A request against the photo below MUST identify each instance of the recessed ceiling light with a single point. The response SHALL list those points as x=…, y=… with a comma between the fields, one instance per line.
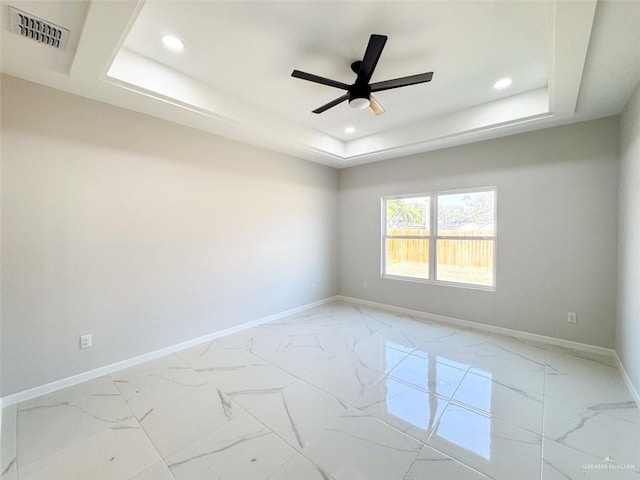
x=349, y=129
x=173, y=43
x=502, y=84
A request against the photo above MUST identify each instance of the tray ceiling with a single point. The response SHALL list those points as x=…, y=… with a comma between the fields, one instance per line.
x=233, y=77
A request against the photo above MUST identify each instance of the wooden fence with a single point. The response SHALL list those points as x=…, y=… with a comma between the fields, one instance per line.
x=464, y=253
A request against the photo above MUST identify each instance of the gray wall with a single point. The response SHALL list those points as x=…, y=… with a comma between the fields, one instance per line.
x=144, y=233
x=556, y=238
x=1, y=80
x=628, y=325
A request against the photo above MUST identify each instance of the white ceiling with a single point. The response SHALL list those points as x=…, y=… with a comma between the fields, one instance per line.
x=569, y=61
x=248, y=50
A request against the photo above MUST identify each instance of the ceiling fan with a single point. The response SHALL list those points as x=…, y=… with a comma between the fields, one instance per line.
x=359, y=93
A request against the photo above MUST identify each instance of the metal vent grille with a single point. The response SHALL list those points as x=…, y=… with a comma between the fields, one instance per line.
x=37, y=29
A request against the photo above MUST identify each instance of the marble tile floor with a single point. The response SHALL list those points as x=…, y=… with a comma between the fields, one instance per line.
x=341, y=392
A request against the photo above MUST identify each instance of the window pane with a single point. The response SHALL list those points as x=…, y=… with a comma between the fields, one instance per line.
x=465, y=261
x=408, y=216
x=466, y=214
x=407, y=257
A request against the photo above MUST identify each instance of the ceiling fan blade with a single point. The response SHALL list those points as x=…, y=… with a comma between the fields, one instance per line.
x=371, y=57
x=316, y=79
x=332, y=103
x=375, y=107
x=401, y=82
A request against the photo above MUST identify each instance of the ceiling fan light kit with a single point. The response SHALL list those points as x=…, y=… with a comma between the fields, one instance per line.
x=359, y=103
x=359, y=93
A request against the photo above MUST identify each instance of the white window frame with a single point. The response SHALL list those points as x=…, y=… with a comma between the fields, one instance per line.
x=433, y=238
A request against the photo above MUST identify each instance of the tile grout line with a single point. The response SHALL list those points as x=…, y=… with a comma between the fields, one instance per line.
x=141, y=428
x=245, y=410
x=17, y=444
x=544, y=407
x=306, y=382
x=424, y=443
x=66, y=447
x=248, y=412
x=460, y=462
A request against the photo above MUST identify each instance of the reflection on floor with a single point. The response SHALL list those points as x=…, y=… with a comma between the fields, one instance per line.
x=339, y=392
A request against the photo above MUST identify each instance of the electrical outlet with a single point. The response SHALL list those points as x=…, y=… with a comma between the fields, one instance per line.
x=85, y=341
x=313, y=286
x=364, y=284
x=572, y=317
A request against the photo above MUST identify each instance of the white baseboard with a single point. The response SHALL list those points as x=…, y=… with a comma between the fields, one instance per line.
x=627, y=380
x=114, y=367
x=583, y=347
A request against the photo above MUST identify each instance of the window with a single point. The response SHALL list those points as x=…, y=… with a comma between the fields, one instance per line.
x=408, y=236
x=446, y=237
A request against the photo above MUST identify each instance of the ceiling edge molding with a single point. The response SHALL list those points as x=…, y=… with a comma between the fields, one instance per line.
x=100, y=58
x=500, y=113
x=570, y=26
x=174, y=89
x=100, y=40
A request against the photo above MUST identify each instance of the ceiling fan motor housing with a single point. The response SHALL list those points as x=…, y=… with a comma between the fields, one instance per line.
x=359, y=95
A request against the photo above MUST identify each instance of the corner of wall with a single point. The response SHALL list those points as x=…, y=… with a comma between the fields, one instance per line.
x=628, y=301
x=1, y=97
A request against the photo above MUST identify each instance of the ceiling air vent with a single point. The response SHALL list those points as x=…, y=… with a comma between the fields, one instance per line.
x=35, y=28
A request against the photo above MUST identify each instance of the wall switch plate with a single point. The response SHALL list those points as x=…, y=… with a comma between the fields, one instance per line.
x=572, y=317
x=85, y=341
x=364, y=284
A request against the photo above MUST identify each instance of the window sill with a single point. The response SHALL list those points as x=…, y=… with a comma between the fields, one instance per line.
x=468, y=286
